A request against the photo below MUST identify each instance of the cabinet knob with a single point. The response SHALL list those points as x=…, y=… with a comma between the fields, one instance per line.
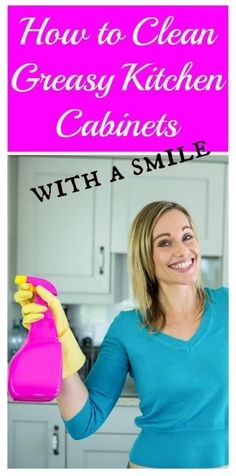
x=55, y=440
x=101, y=259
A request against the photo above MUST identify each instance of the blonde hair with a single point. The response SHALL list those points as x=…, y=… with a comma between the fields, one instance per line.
x=141, y=266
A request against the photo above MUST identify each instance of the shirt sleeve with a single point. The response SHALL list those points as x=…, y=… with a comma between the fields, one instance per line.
x=104, y=383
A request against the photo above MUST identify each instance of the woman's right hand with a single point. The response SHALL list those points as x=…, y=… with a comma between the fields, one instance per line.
x=73, y=357
x=32, y=312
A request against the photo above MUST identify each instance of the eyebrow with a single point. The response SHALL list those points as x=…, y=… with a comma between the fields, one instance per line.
x=168, y=234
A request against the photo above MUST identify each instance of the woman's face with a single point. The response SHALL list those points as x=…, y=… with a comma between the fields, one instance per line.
x=176, y=251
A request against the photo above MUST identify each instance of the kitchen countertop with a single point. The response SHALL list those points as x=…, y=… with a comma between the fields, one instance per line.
x=121, y=402
x=128, y=402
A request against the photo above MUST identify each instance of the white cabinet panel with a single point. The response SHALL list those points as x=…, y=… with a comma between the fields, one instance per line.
x=110, y=446
x=197, y=186
x=100, y=451
x=36, y=436
x=66, y=238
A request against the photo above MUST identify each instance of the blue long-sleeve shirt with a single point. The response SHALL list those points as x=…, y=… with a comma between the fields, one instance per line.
x=182, y=386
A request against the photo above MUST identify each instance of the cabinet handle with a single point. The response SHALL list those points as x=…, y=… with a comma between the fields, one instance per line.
x=101, y=259
x=55, y=440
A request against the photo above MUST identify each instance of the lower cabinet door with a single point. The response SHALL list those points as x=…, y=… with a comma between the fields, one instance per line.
x=36, y=435
x=100, y=451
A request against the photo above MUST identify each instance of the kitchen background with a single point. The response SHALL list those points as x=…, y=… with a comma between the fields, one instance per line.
x=79, y=242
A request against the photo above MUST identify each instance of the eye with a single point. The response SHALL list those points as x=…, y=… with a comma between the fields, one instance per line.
x=187, y=237
x=164, y=243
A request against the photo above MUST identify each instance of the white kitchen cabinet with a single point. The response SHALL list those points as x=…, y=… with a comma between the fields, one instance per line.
x=66, y=238
x=109, y=447
x=200, y=187
x=100, y=451
x=36, y=436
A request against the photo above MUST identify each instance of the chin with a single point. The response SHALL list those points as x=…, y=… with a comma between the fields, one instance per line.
x=185, y=280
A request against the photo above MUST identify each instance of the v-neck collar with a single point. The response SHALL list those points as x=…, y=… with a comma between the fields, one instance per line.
x=196, y=337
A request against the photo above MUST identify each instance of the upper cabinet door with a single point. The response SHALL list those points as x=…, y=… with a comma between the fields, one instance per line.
x=197, y=186
x=65, y=238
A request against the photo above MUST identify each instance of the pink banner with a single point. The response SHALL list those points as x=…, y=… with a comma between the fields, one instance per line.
x=122, y=79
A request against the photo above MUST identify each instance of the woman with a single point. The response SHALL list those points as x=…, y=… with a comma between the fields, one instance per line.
x=174, y=345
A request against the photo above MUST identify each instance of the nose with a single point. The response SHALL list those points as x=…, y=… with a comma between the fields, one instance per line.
x=180, y=248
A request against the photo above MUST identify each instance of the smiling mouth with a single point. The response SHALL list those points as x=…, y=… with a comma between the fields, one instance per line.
x=183, y=265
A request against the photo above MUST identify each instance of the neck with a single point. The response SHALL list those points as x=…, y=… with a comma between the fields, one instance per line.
x=179, y=302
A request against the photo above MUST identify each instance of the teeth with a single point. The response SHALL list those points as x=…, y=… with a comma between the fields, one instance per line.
x=184, y=265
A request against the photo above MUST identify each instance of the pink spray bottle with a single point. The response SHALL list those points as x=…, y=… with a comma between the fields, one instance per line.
x=35, y=371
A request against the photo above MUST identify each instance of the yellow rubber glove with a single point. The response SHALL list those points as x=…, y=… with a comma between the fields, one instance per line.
x=73, y=357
